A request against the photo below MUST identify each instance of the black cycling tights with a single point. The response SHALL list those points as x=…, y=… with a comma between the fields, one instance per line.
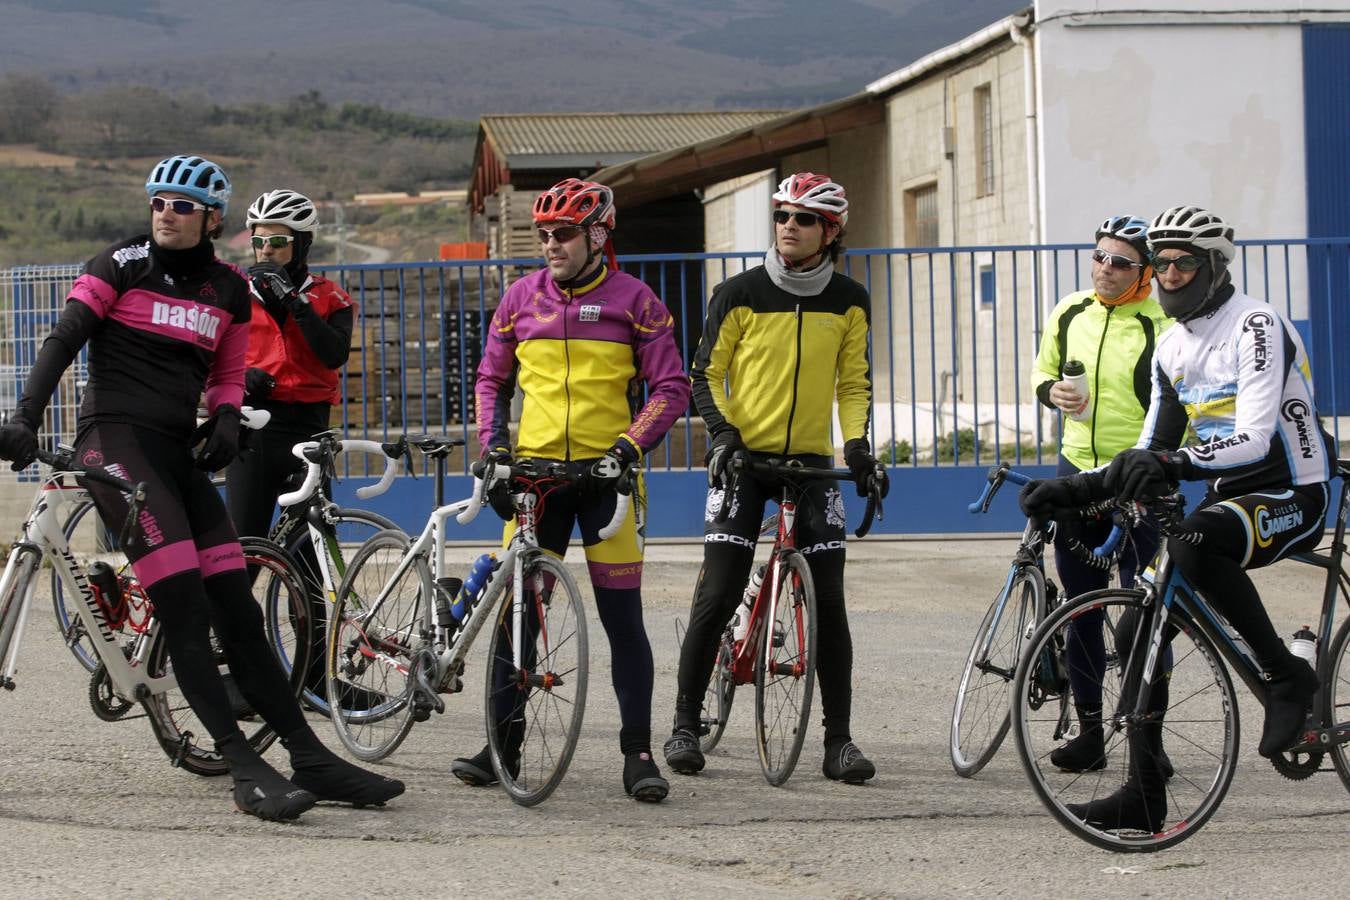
x=185, y=606
x=1249, y=532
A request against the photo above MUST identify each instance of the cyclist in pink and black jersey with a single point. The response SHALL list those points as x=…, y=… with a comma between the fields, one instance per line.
x=166, y=320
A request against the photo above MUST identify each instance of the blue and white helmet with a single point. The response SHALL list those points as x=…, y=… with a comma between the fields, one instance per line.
x=195, y=176
x=1133, y=230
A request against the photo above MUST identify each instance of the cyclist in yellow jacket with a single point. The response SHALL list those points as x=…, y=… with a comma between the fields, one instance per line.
x=1112, y=330
x=782, y=343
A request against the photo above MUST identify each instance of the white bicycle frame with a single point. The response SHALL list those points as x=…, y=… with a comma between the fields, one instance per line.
x=44, y=537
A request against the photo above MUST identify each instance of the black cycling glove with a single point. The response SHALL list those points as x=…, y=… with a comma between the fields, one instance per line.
x=1146, y=475
x=273, y=283
x=18, y=443
x=258, y=385
x=220, y=439
x=864, y=466
x=606, y=472
x=726, y=443
x=1057, y=497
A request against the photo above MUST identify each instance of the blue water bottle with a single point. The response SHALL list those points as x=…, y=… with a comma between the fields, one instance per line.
x=474, y=585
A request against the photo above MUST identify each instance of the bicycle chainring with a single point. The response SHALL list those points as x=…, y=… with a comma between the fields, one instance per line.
x=107, y=705
x=1298, y=766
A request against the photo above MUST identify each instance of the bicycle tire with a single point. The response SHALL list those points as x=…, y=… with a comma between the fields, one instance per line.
x=784, y=682
x=980, y=714
x=721, y=690
x=534, y=712
x=349, y=526
x=1336, y=697
x=373, y=645
x=180, y=734
x=1199, y=729
x=85, y=537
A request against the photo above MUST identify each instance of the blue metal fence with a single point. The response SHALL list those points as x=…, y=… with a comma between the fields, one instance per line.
x=955, y=332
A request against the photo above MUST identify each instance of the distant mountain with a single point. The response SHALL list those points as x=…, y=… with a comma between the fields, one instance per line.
x=469, y=57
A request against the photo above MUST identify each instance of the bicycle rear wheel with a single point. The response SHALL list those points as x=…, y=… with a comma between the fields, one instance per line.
x=89, y=540
x=535, y=706
x=980, y=715
x=380, y=625
x=1336, y=703
x=180, y=733
x=343, y=528
x=1198, y=731
x=785, y=669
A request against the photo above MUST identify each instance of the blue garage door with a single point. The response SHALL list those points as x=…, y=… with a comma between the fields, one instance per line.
x=1326, y=92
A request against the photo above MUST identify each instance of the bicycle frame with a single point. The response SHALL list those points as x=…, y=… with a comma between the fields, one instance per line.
x=43, y=537
x=763, y=610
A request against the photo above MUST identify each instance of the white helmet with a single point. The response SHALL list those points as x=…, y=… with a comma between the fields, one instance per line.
x=283, y=207
x=1194, y=226
x=816, y=193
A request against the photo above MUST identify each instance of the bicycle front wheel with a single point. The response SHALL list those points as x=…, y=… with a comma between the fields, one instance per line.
x=1195, y=741
x=377, y=633
x=785, y=669
x=980, y=715
x=344, y=530
x=89, y=540
x=179, y=731
x=536, y=680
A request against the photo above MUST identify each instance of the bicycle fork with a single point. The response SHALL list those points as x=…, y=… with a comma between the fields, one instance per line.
x=18, y=576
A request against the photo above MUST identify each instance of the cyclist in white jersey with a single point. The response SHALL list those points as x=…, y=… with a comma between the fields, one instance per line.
x=1231, y=379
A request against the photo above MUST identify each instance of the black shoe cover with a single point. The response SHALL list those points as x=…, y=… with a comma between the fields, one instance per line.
x=330, y=777
x=642, y=779
x=259, y=789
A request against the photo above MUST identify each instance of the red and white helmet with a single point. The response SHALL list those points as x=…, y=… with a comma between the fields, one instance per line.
x=816, y=193
x=575, y=202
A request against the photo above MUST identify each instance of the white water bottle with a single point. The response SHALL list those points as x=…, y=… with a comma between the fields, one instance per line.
x=742, y=626
x=1075, y=373
x=1304, y=646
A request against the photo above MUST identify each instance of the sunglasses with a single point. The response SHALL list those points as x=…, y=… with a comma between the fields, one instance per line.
x=275, y=241
x=562, y=234
x=180, y=207
x=1114, y=260
x=1183, y=263
x=804, y=219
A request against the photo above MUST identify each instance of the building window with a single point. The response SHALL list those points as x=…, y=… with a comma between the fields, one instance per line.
x=986, y=285
x=921, y=216
x=984, y=141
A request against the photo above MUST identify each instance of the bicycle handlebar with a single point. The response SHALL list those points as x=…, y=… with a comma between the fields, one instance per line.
x=791, y=471
x=485, y=474
x=305, y=450
x=994, y=480
x=255, y=419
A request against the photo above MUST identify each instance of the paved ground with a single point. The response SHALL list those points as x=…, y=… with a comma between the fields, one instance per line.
x=91, y=809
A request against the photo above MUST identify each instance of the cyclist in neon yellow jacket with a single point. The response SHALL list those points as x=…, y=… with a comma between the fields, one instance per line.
x=1111, y=329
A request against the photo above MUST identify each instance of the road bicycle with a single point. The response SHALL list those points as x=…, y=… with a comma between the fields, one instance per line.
x=402, y=629
x=1198, y=726
x=117, y=620
x=314, y=530
x=771, y=639
x=981, y=713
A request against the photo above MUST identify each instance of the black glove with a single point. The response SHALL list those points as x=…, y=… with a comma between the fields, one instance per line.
x=1146, y=475
x=1056, y=497
x=18, y=443
x=725, y=444
x=499, y=492
x=274, y=283
x=220, y=439
x=864, y=466
x=258, y=385
x=606, y=472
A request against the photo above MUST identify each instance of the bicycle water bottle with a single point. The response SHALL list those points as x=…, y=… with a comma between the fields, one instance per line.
x=447, y=589
x=1304, y=646
x=474, y=586
x=109, y=593
x=742, y=626
x=1075, y=373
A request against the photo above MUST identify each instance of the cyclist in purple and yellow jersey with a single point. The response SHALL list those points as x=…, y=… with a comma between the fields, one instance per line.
x=783, y=342
x=580, y=338
x=166, y=320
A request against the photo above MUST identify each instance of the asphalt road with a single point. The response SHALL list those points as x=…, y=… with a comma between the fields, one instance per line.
x=89, y=808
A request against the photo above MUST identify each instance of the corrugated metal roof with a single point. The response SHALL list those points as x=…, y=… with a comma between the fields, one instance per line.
x=607, y=134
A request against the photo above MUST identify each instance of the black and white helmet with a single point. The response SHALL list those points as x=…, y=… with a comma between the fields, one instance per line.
x=1193, y=226
x=283, y=207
